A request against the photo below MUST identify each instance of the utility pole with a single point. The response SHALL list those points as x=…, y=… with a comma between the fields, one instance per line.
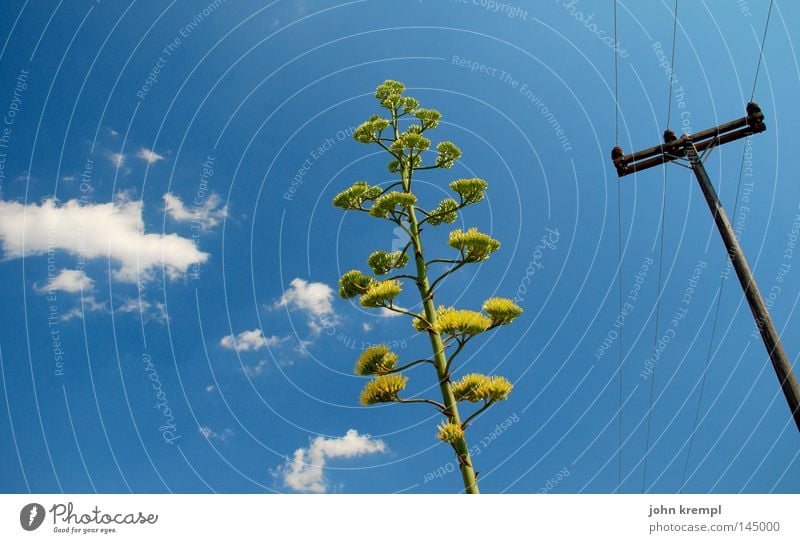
x=687, y=149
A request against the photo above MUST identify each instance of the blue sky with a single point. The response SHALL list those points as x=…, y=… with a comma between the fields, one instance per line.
x=170, y=253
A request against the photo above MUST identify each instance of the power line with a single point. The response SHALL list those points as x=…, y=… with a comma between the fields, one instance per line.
x=661, y=252
x=616, y=74
x=672, y=57
x=761, y=49
x=619, y=246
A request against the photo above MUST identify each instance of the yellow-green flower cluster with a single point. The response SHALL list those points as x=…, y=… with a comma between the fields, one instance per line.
x=429, y=117
x=382, y=262
x=384, y=388
x=411, y=141
x=475, y=245
x=369, y=131
x=501, y=310
x=390, y=201
x=476, y=387
x=376, y=360
x=450, y=432
x=389, y=94
x=387, y=88
x=459, y=322
x=447, y=154
x=381, y=294
x=444, y=212
x=354, y=283
x=470, y=190
x=354, y=196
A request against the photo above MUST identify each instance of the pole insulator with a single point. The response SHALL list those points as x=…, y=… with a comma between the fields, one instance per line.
x=616, y=157
x=755, y=118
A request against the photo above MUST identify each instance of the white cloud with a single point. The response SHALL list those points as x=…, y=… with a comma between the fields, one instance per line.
x=88, y=304
x=68, y=178
x=249, y=340
x=112, y=230
x=147, y=311
x=71, y=281
x=117, y=158
x=210, y=388
x=366, y=326
x=315, y=299
x=256, y=369
x=208, y=433
x=149, y=155
x=207, y=215
x=303, y=472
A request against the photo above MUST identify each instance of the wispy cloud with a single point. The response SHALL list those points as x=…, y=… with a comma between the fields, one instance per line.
x=70, y=281
x=207, y=214
x=254, y=370
x=112, y=230
x=303, y=472
x=208, y=433
x=250, y=340
x=147, y=311
x=88, y=305
x=117, y=158
x=149, y=155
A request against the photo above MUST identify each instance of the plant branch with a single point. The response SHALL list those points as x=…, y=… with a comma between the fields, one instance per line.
x=445, y=274
x=410, y=365
x=442, y=261
x=401, y=276
x=476, y=413
x=398, y=310
x=455, y=353
x=442, y=213
x=440, y=406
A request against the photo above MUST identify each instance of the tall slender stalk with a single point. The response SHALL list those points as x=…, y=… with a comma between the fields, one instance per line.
x=440, y=360
x=446, y=326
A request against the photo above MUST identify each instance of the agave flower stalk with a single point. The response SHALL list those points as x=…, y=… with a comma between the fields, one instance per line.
x=448, y=329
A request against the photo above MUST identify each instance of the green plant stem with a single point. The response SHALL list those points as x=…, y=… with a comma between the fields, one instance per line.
x=439, y=360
